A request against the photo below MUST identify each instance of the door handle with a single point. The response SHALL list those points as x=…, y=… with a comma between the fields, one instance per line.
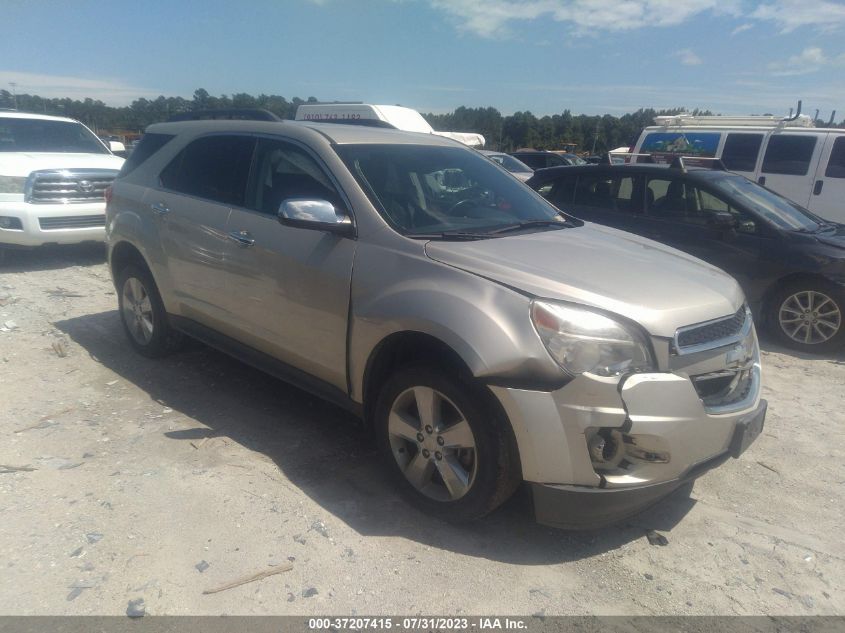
x=159, y=208
x=817, y=189
x=243, y=238
x=761, y=180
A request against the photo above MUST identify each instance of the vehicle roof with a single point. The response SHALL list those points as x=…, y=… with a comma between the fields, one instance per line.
x=689, y=171
x=31, y=115
x=335, y=133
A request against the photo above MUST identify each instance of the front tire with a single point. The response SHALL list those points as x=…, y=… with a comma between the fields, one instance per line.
x=142, y=313
x=808, y=316
x=449, y=452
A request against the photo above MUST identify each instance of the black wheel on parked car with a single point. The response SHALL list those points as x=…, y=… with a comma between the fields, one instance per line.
x=142, y=313
x=808, y=316
x=450, y=453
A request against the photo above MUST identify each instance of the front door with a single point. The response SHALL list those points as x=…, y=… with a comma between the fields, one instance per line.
x=290, y=286
x=682, y=215
x=828, y=199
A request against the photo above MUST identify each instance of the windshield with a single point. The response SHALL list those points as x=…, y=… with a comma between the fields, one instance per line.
x=425, y=190
x=42, y=135
x=510, y=163
x=574, y=159
x=769, y=205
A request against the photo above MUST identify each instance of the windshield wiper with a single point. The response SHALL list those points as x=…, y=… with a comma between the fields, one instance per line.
x=449, y=236
x=527, y=224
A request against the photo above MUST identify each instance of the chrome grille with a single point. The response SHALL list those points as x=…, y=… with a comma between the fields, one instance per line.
x=67, y=186
x=72, y=222
x=712, y=333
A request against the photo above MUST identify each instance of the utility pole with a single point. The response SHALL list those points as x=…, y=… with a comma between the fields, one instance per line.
x=595, y=138
x=14, y=93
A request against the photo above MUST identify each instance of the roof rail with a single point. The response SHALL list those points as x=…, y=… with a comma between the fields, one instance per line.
x=244, y=114
x=689, y=120
x=715, y=163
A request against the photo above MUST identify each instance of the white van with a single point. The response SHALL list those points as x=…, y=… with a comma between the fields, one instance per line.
x=397, y=117
x=801, y=162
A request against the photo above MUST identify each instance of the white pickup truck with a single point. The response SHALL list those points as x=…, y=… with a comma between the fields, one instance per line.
x=397, y=117
x=53, y=175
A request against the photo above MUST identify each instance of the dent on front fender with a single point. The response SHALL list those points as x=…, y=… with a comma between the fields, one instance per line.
x=485, y=323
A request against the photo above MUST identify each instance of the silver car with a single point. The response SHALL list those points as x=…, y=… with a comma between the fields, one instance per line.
x=487, y=338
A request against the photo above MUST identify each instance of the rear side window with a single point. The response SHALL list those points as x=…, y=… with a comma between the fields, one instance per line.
x=213, y=167
x=836, y=164
x=534, y=161
x=614, y=193
x=149, y=145
x=740, y=152
x=789, y=154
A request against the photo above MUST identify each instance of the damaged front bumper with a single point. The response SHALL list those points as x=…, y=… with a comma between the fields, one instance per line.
x=602, y=449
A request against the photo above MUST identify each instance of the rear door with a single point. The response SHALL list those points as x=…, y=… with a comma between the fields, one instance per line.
x=790, y=161
x=198, y=188
x=289, y=287
x=828, y=197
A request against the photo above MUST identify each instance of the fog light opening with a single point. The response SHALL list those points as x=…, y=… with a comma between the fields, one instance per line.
x=10, y=224
x=606, y=449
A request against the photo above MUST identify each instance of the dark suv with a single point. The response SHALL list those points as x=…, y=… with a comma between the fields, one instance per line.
x=790, y=263
x=539, y=159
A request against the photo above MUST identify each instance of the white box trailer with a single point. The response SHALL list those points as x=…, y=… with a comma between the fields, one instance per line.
x=397, y=117
x=788, y=155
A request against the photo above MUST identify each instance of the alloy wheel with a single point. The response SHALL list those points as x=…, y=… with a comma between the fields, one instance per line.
x=432, y=443
x=810, y=317
x=137, y=311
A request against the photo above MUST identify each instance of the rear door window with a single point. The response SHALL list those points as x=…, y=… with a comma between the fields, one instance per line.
x=789, y=154
x=213, y=167
x=836, y=163
x=741, y=150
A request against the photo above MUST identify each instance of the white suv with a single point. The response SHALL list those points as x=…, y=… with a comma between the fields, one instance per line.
x=53, y=175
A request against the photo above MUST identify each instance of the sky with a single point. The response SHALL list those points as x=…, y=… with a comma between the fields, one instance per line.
x=588, y=56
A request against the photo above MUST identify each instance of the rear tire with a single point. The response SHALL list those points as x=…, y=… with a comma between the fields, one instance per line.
x=447, y=449
x=142, y=313
x=808, y=316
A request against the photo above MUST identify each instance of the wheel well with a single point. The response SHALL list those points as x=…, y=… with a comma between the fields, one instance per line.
x=124, y=254
x=406, y=348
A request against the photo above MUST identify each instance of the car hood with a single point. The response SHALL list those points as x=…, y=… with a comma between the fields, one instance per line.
x=22, y=163
x=659, y=287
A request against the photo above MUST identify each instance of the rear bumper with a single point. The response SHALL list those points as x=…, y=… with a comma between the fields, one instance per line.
x=62, y=217
x=583, y=507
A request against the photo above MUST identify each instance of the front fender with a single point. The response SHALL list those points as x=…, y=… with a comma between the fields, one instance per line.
x=488, y=325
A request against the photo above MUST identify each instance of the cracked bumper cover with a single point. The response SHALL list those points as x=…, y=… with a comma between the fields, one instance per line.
x=552, y=430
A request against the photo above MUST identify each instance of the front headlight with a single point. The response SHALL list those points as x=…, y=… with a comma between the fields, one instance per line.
x=12, y=184
x=581, y=340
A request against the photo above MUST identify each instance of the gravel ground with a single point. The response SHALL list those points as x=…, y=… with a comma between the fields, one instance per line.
x=123, y=478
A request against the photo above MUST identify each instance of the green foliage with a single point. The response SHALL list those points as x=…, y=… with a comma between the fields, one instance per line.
x=594, y=134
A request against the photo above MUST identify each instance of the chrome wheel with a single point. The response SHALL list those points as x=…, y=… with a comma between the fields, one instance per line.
x=137, y=311
x=432, y=443
x=810, y=317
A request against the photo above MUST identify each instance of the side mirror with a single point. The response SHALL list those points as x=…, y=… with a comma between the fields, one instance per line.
x=723, y=220
x=117, y=146
x=315, y=214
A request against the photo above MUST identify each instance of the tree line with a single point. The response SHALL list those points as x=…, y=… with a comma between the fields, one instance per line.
x=590, y=134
